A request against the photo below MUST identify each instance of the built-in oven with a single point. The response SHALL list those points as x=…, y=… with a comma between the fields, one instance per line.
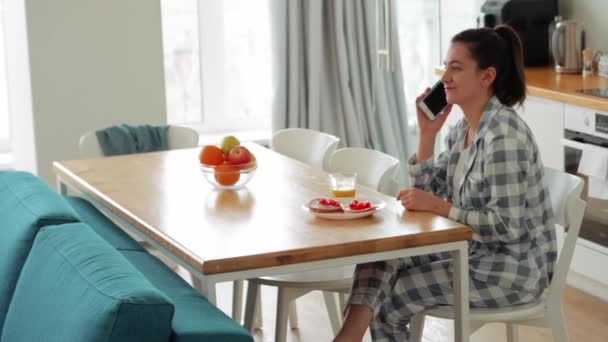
x=586, y=155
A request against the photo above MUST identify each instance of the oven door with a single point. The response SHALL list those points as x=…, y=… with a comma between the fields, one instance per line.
x=594, y=229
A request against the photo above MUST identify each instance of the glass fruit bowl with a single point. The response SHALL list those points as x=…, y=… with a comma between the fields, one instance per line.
x=227, y=176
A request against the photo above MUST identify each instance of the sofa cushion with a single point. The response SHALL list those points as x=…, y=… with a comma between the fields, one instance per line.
x=76, y=287
x=26, y=205
x=102, y=225
x=195, y=318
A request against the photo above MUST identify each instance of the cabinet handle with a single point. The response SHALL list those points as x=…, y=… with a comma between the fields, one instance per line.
x=574, y=144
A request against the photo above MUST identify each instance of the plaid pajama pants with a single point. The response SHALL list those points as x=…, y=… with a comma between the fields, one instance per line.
x=398, y=289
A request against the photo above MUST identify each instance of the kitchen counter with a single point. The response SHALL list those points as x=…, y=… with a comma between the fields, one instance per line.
x=544, y=82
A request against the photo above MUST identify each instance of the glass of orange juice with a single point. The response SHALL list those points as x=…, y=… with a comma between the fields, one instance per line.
x=342, y=184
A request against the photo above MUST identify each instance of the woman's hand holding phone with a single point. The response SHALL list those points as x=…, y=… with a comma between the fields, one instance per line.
x=427, y=126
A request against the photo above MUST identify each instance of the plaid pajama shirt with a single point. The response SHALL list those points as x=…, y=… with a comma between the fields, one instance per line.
x=503, y=199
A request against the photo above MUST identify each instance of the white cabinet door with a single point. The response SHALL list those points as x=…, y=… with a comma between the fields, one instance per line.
x=546, y=120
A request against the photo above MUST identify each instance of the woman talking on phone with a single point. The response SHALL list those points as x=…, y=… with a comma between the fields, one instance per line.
x=490, y=177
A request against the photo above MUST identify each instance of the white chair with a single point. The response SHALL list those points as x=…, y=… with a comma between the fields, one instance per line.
x=306, y=145
x=178, y=137
x=373, y=169
x=565, y=191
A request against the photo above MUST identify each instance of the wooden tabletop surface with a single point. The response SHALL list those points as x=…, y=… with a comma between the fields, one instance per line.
x=545, y=82
x=165, y=196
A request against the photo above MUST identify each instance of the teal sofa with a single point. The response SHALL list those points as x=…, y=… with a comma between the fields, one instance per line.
x=67, y=273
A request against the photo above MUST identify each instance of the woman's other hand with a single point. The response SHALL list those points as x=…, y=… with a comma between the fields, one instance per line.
x=419, y=200
x=427, y=126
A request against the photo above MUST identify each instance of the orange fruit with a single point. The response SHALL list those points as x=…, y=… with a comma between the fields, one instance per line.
x=211, y=155
x=225, y=174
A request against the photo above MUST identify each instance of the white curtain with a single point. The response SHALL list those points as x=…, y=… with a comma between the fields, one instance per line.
x=328, y=78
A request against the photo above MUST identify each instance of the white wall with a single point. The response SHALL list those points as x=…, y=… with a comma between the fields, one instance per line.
x=93, y=64
x=593, y=14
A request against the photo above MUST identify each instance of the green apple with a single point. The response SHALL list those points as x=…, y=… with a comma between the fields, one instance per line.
x=228, y=143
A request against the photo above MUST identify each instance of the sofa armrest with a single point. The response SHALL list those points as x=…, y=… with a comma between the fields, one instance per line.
x=74, y=286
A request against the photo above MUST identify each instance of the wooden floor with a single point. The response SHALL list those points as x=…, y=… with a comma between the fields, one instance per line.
x=586, y=316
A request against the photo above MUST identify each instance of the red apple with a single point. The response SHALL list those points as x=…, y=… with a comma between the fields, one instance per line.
x=239, y=155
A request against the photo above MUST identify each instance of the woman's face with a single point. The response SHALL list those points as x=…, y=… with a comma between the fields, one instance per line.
x=463, y=80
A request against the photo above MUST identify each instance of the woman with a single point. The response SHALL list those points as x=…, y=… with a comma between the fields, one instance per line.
x=489, y=177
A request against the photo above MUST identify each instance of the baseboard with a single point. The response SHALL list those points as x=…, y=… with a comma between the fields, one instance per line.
x=588, y=285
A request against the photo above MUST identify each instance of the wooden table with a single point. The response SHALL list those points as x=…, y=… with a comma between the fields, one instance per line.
x=260, y=230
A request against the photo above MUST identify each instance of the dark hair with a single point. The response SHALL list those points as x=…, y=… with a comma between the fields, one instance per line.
x=499, y=48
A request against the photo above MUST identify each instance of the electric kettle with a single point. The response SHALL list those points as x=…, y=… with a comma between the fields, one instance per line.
x=567, y=44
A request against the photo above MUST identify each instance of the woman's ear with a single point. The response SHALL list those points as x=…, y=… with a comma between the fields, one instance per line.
x=489, y=76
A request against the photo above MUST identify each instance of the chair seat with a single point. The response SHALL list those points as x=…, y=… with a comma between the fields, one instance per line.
x=516, y=312
x=327, y=279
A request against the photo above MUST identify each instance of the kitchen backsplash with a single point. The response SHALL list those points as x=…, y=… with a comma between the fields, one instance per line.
x=593, y=14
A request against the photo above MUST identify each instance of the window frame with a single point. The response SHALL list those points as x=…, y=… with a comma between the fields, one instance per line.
x=5, y=144
x=213, y=115
x=22, y=147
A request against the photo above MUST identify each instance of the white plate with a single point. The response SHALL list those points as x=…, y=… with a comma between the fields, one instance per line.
x=349, y=214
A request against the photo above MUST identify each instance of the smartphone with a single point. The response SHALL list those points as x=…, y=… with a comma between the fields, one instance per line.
x=434, y=102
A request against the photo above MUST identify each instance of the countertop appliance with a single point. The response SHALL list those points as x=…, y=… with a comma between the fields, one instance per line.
x=567, y=45
x=586, y=131
x=531, y=20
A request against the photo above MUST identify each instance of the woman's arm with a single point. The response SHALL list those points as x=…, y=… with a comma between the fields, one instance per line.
x=506, y=168
x=426, y=146
x=426, y=173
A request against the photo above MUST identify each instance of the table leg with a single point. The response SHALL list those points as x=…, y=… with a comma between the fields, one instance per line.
x=206, y=288
x=461, y=293
x=250, y=306
x=61, y=187
x=237, y=300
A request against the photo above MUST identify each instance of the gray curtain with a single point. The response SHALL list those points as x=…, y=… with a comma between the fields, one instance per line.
x=328, y=78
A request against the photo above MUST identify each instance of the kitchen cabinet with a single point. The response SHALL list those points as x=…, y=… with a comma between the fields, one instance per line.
x=546, y=121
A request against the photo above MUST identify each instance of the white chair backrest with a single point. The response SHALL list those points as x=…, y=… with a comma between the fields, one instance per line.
x=178, y=137
x=308, y=146
x=565, y=192
x=89, y=146
x=182, y=137
x=374, y=169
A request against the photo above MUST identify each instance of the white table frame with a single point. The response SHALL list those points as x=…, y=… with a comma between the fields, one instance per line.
x=206, y=282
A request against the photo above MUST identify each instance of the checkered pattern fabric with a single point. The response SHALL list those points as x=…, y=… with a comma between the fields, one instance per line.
x=398, y=289
x=502, y=198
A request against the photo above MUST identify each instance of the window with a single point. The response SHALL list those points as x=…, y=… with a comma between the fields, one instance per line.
x=4, y=107
x=424, y=30
x=419, y=36
x=181, y=56
x=457, y=16
x=218, y=71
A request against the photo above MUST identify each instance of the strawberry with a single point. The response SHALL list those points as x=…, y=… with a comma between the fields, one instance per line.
x=356, y=205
